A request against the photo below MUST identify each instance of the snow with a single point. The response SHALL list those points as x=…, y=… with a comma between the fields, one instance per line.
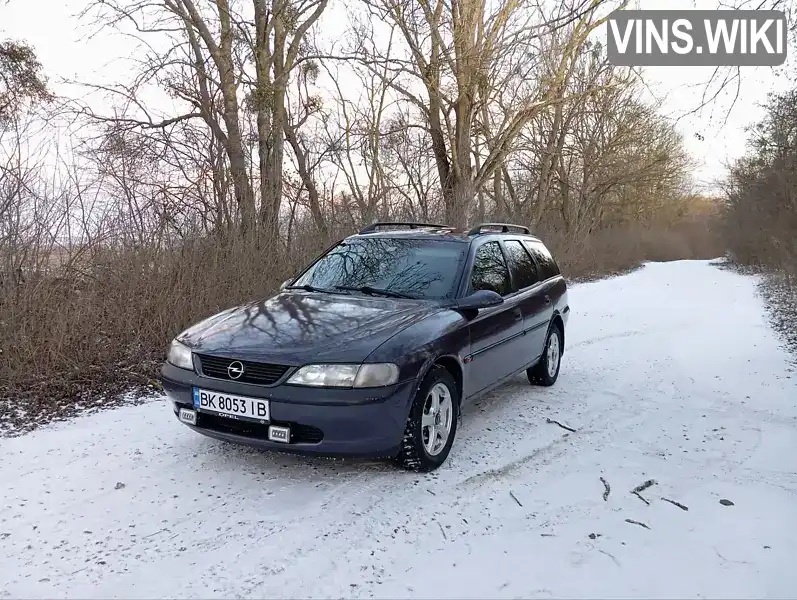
x=670, y=373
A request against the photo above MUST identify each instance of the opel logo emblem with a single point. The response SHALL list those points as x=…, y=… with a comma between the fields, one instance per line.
x=235, y=369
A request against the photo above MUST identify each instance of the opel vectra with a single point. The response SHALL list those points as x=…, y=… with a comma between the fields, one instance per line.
x=373, y=349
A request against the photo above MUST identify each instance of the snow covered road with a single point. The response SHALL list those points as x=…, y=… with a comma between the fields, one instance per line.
x=670, y=373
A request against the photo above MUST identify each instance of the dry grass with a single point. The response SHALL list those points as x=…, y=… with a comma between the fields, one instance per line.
x=82, y=339
x=91, y=333
x=619, y=249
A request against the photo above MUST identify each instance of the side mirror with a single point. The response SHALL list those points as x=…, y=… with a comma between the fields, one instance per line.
x=285, y=284
x=480, y=299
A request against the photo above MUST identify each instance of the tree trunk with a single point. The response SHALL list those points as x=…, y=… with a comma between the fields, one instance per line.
x=461, y=197
x=271, y=147
x=234, y=142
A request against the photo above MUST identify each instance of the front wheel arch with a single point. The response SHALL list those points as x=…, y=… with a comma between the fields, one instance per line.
x=451, y=364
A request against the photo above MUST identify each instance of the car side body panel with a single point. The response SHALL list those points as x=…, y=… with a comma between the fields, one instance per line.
x=493, y=333
x=414, y=349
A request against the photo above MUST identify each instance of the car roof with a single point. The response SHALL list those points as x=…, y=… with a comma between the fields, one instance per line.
x=443, y=234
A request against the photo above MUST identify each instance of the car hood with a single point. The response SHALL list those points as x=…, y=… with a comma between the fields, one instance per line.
x=295, y=328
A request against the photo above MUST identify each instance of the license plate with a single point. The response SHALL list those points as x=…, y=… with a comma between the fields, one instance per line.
x=188, y=416
x=234, y=407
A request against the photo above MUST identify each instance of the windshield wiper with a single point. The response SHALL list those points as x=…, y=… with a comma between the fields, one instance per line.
x=309, y=288
x=372, y=291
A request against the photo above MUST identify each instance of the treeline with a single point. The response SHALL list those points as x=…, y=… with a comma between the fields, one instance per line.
x=760, y=211
x=761, y=191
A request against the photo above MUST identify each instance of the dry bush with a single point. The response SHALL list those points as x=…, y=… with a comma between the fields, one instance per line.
x=90, y=332
x=760, y=213
x=620, y=248
x=99, y=326
x=760, y=216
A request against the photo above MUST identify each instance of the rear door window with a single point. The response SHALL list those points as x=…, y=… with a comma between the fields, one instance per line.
x=548, y=266
x=489, y=270
x=521, y=265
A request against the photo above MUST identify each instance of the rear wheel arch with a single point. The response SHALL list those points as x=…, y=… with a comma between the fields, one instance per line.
x=557, y=321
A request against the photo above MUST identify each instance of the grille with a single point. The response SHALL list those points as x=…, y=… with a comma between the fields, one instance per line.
x=300, y=434
x=258, y=373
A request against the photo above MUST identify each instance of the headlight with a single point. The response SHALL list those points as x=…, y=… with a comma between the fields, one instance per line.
x=376, y=375
x=180, y=355
x=358, y=376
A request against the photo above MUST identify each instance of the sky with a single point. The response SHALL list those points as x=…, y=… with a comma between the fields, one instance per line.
x=73, y=48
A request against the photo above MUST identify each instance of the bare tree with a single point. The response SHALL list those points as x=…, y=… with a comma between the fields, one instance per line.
x=215, y=47
x=459, y=55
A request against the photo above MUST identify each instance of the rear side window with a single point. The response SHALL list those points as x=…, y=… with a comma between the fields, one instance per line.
x=521, y=265
x=548, y=266
x=489, y=270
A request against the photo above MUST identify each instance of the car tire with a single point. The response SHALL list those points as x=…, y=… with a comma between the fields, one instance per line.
x=417, y=452
x=546, y=371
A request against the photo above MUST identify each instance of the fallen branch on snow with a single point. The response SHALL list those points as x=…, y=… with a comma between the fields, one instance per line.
x=549, y=421
x=607, y=488
x=642, y=487
x=678, y=504
x=637, y=523
x=515, y=498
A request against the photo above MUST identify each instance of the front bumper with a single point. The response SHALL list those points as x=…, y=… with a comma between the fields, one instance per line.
x=329, y=422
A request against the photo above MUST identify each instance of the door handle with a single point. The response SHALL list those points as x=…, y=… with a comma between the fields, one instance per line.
x=547, y=299
x=518, y=315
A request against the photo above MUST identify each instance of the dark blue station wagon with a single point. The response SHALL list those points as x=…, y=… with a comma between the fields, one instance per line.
x=372, y=350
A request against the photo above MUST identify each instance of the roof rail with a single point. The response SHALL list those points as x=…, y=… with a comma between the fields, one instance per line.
x=409, y=225
x=503, y=227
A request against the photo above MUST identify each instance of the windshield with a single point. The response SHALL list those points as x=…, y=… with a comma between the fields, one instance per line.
x=417, y=268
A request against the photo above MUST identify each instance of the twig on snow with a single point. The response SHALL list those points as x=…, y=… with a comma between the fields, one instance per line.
x=608, y=489
x=678, y=504
x=637, y=523
x=443, y=531
x=610, y=556
x=549, y=421
x=155, y=533
x=737, y=562
x=515, y=499
x=642, y=487
x=638, y=495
